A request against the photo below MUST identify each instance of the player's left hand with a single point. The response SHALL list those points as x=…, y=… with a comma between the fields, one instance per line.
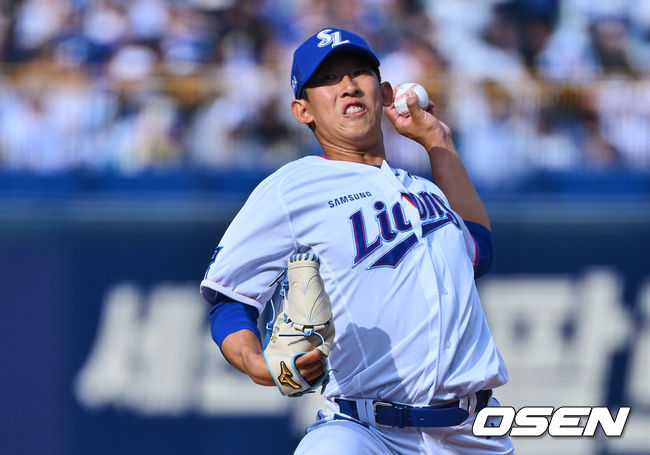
x=310, y=365
x=303, y=331
x=422, y=125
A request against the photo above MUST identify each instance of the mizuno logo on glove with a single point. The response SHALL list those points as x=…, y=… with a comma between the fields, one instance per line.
x=286, y=376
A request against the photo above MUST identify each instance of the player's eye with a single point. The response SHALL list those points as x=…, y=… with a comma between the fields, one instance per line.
x=361, y=71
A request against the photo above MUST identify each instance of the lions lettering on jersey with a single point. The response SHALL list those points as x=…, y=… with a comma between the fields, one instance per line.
x=430, y=208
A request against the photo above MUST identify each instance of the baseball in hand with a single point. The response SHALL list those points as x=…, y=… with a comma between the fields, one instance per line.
x=400, y=98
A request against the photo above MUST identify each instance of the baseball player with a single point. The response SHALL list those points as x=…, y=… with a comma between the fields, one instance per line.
x=412, y=359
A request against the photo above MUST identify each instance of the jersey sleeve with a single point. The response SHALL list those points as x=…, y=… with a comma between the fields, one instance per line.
x=253, y=250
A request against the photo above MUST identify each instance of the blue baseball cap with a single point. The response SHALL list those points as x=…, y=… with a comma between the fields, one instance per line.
x=310, y=54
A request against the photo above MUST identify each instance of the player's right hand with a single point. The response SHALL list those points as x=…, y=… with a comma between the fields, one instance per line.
x=422, y=125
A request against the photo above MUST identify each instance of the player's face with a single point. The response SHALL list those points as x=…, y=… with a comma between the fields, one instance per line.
x=345, y=102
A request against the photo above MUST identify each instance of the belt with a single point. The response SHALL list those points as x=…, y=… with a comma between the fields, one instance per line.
x=445, y=414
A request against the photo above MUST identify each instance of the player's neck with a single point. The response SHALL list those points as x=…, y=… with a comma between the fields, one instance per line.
x=372, y=155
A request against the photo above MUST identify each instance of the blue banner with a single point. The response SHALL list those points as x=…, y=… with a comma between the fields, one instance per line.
x=106, y=345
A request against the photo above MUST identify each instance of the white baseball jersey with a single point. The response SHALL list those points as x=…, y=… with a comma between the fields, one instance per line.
x=397, y=264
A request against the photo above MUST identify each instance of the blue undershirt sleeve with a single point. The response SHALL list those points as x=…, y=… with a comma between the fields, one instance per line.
x=484, y=251
x=228, y=316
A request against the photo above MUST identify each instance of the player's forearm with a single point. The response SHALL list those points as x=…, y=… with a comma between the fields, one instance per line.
x=244, y=351
x=450, y=175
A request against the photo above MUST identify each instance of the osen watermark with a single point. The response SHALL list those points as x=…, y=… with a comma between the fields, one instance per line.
x=564, y=421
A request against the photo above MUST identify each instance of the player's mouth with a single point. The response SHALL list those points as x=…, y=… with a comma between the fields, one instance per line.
x=354, y=110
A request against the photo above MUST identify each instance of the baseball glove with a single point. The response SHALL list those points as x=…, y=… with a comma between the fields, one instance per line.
x=303, y=322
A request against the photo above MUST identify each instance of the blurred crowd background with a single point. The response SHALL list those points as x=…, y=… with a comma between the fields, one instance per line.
x=530, y=87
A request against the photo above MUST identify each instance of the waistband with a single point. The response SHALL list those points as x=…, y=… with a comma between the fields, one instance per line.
x=386, y=414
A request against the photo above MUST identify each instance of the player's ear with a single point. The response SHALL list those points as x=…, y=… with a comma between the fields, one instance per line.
x=386, y=94
x=301, y=111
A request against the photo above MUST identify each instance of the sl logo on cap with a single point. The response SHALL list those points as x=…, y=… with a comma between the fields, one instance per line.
x=326, y=38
